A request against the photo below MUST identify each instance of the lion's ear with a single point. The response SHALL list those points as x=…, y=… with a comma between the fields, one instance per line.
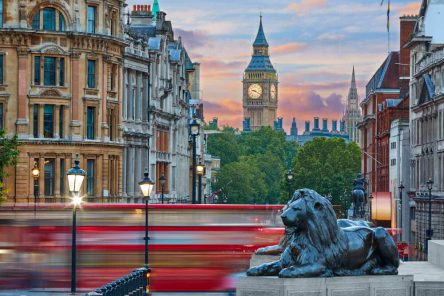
x=318, y=206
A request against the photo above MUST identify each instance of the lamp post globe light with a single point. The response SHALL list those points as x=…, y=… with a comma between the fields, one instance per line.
x=429, y=232
x=194, y=131
x=75, y=179
x=401, y=188
x=289, y=176
x=146, y=186
x=200, y=171
x=35, y=172
x=162, y=181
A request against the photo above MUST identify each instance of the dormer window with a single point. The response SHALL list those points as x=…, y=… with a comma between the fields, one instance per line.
x=48, y=19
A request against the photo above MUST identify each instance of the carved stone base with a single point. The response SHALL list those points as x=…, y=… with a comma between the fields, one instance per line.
x=390, y=285
x=257, y=260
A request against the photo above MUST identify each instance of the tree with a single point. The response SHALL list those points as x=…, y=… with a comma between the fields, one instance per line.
x=8, y=157
x=327, y=166
x=225, y=146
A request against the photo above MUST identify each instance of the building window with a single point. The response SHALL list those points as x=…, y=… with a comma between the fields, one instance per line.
x=48, y=121
x=1, y=116
x=112, y=121
x=91, y=74
x=90, y=177
x=49, y=71
x=37, y=70
x=62, y=176
x=61, y=133
x=162, y=170
x=393, y=162
x=1, y=13
x=393, y=145
x=35, y=121
x=1, y=68
x=61, y=71
x=49, y=177
x=91, y=19
x=52, y=20
x=90, y=122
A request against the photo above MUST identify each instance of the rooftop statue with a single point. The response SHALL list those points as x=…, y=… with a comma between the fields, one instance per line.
x=317, y=247
x=359, y=196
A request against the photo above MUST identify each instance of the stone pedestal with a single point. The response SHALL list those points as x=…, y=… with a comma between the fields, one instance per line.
x=390, y=285
x=257, y=260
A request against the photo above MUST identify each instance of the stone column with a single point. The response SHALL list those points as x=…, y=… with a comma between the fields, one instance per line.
x=124, y=171
x=137, y=170
x=105, y=174
x=40, y=121
x=42, y=178
x=119, y=91
x=22, y=118
x=31, y=178
x=57, y=178
x=105, y=127
x=56, y=121
x=75, y=103
x=130, y=173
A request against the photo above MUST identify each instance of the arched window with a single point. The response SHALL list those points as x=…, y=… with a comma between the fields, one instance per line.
x=48, y=19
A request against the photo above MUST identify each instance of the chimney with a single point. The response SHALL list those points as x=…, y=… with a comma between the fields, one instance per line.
x=307, y=126
x=334, y=124
x=316, y=124
x=324, y=125
x=141, y=15
x=342, y=122
x=407, y=25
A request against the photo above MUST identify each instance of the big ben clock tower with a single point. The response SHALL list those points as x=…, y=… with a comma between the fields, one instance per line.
x=260, y=85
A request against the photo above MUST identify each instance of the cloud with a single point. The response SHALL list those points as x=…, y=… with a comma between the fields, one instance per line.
x=232, y=112
x=190, y=38
x=288, y=48
x=331, y=36
x=302, y=7
x=410, y=8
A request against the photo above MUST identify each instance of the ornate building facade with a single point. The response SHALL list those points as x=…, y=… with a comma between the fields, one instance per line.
x=60, y=86
x=260, y=86
x=352, y=112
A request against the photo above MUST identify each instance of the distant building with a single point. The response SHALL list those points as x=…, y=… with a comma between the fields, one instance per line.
x=427, y=122
x=309, y=135
x=260, y=86
x=352, y=114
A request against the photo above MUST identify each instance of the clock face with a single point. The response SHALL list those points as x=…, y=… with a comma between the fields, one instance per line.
x=273, y=91
x=254, y=91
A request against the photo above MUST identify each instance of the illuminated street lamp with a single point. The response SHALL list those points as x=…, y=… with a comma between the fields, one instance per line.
x=200, y=171
x=75, y=180
x=429, y=232
x=35, y=172
x=289, y=176
x=162, y=181
x=194, y=131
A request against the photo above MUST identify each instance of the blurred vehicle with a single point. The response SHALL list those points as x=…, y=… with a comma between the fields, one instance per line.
x=192, y=248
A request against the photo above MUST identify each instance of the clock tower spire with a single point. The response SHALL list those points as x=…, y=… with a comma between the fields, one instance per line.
x=260, y=85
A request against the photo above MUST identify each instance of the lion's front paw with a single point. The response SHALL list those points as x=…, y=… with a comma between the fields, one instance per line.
x=254, y=271
x=286, y=273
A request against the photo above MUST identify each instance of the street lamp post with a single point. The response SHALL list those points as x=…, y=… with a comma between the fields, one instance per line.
x=200, y=170
x=401, y=187
x=146, y=186
x=75, y=180
x=289, y=176
x=162, y=181
x=429, y=232
x=36, y=174
x=194, y=131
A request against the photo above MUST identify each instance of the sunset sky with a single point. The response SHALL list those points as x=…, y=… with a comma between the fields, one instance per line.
x=313, y=45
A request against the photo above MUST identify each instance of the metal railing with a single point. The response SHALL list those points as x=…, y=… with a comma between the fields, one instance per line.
x=133, y=284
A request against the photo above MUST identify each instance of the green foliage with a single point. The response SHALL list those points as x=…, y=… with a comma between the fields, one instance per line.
x=8, y=157
x=327, y=166
x=253, y=164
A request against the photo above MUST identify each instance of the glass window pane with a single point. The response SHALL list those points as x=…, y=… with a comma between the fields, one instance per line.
x=49, y=69
x=1, y=116
x=91, y=19
x=90, y=177
x=91, y=73
x=36, y=21
x=1, y=13
x=62, y=177
x=48, y=121
x=61, y=135
x=61, y=22
x=49, y=177
x=62, y=72
x=90, y=114
x=35, y=121
x=36, y=70
x=49, y=19
x=1, y=67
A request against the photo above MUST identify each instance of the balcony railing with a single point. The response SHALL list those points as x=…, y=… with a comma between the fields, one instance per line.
x=430, y=60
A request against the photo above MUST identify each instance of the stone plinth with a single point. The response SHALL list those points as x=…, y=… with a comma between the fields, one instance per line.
x=390, y=285
x=257, y=260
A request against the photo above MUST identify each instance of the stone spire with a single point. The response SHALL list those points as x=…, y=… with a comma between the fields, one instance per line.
x=260, y=37
x=353, y=82
x=294, y=128
x=352, y=99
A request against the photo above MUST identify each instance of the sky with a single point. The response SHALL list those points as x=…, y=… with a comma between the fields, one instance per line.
x=314, y=45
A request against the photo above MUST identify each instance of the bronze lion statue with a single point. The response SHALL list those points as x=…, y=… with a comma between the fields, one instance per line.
x=319, y=247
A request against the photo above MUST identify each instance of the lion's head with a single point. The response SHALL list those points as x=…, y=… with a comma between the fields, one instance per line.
x=313, y=214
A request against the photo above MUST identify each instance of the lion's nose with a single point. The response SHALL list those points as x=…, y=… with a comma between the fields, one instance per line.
x=283, y=216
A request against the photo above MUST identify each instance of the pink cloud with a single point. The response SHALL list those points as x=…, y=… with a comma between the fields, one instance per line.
x=410, y=8
x=288, y=48
x=302, y=7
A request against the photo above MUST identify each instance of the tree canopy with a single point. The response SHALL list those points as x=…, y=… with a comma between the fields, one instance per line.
x=8, y=156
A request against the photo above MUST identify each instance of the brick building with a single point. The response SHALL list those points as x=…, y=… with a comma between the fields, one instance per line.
x=60, y=92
